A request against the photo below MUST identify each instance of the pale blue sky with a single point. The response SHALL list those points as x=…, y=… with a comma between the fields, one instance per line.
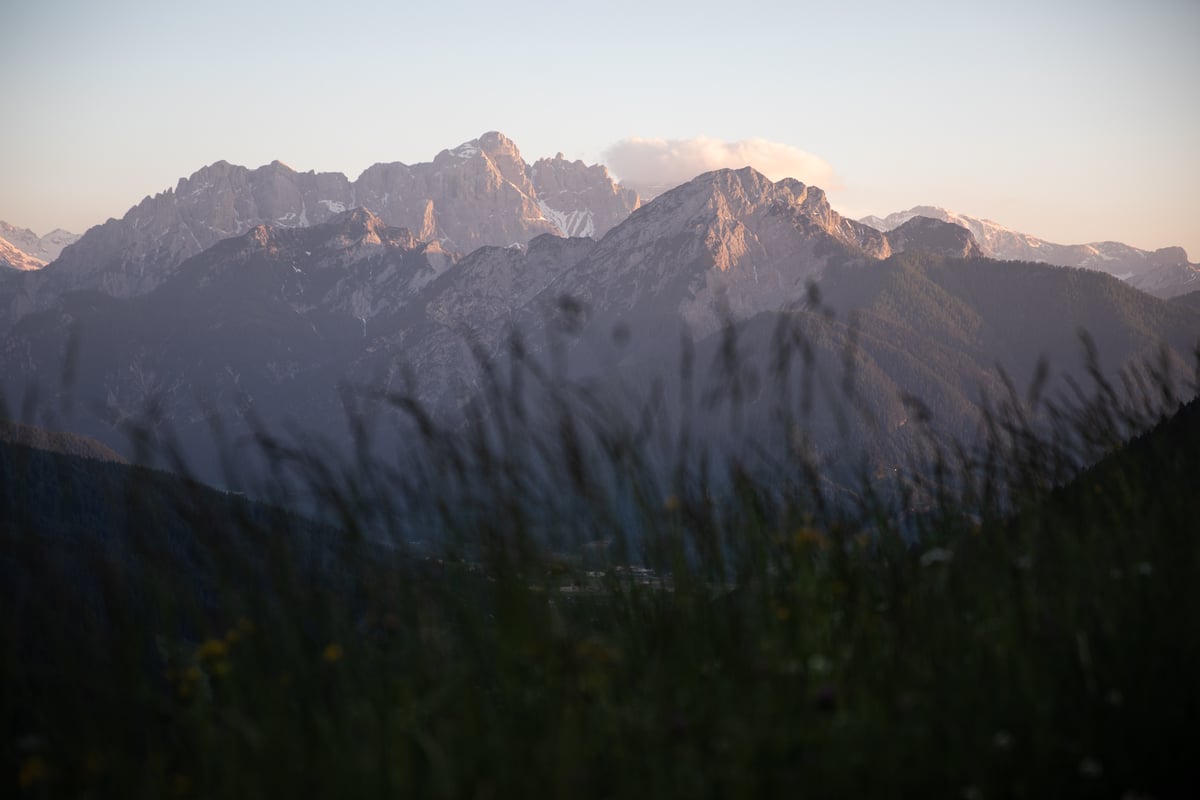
x=1074, y=121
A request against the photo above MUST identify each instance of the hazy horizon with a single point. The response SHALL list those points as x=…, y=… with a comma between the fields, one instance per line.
x=1069, y=123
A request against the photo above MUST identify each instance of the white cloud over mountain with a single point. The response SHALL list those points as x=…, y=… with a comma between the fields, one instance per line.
x=654, y=165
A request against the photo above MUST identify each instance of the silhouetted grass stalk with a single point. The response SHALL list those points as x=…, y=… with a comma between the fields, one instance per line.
x=565, y=593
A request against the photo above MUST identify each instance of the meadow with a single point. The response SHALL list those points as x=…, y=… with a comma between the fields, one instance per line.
x=536, y=607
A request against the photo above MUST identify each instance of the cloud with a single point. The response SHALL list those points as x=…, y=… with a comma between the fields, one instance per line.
x=659, y=164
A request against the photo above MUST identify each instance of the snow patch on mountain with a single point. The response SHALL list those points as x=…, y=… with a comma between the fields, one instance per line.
x=581, y=222
x=1164, y=272
x=43, y=249
x=15, y=258
x=481, y=192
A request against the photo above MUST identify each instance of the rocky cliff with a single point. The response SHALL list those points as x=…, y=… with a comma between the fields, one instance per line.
x=479, y=193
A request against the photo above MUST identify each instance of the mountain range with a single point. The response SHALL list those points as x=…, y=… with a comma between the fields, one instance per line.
x=1165, y=272
x=22, y=249
x=479, y=193
x=265, y=326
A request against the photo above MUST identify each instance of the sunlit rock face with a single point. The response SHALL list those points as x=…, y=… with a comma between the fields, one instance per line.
x=22, y=249
x=581, y=200
x=294, y=326
x=14, y=258
x=727, y=242
x=275, y=319
x=132, y=255
x=479, y=193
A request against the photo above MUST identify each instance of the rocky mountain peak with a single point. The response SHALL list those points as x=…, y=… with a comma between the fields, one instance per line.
x=12, y=257
x=1171, y=256
x=479, y=193
x=492, y=148
x=580, y=199
x=359, y=226
x=358, y=219
x=203, y=183
x=1164, y=272
x=981, y=228
x=552, y=175
x=503, y=154
x=932, y=212
x=723, y=200
x=734, y=192
x=346, y=234
x=743, y=187
x=495, y=143
x=711, y=195
x=25, y=250
x=215, y=170
x=930, y=235
x=728, y=241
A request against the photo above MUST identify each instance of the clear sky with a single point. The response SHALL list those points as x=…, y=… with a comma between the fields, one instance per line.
x=1074, y=120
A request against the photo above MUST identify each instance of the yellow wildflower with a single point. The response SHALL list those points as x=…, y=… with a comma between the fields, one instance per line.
x=333, y=653
x=808, y=535
x=597, y=650
x=181, y=785
x=95, y=763
x=186, y=687
x=212, y=650
x=33, y=770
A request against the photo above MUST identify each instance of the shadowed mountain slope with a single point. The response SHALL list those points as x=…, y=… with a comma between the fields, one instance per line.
x=267, y=327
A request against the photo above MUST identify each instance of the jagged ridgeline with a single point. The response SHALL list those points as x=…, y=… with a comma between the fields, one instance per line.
x=1165, y=272
x=22, y=249
x=479, y=193
x=295, y=328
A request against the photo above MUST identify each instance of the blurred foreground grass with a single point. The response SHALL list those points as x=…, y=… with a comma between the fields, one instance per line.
x=552, y=619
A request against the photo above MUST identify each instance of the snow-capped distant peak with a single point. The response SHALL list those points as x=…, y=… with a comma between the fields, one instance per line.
x=12, y=257
x=1120, y=260
x=466, y=150
x=982, y=228
x=41, y=249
